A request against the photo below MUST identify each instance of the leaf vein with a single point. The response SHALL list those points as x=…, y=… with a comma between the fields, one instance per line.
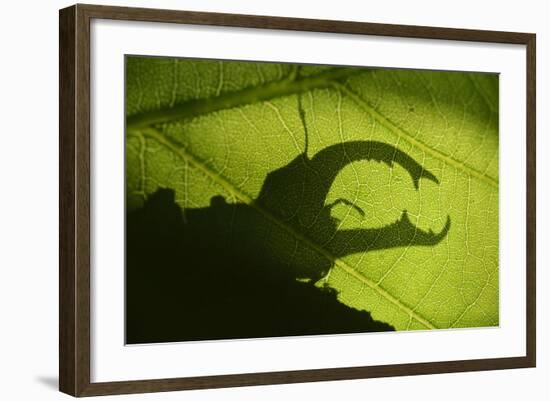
x=178, y=150
x=380, y=118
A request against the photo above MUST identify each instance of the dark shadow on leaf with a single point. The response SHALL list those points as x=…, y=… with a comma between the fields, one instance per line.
x=297, y=192
x=188, y=280
x=230, y=270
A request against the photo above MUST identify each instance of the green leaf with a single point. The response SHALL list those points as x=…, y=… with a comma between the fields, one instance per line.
x=381, y=184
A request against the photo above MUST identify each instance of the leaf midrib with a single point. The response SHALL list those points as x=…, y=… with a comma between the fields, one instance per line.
x=293, y=85
x=290, y=85
x=179, y=150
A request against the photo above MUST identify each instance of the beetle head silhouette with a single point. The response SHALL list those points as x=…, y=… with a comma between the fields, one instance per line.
x=295, y=196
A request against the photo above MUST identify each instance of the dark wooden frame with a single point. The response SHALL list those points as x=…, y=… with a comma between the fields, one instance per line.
x=74, y=204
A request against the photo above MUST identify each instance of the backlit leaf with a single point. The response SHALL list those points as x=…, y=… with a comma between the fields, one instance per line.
x=379, y=184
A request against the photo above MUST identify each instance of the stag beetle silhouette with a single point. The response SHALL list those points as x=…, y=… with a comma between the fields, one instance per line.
x=230, y=270
x=295, y=195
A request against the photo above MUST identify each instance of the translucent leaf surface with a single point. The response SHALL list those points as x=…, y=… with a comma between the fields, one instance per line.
x=380, y=184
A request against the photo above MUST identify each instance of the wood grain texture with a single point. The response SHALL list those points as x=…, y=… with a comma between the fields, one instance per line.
x=531, y=315
x=74, y=206
x=67, y=131
x=301, y=24
x=74, y=199
x=301, y=376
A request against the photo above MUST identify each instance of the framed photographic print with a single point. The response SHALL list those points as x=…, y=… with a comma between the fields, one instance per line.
x=252, y=200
